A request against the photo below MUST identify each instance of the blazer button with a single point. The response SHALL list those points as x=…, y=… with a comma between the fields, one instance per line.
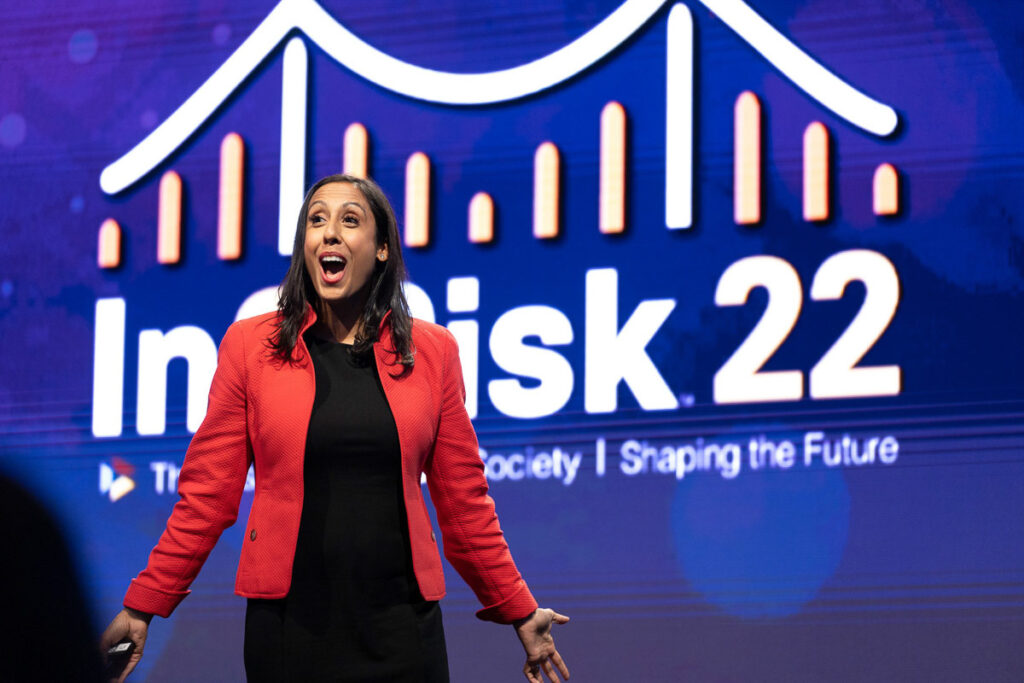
x=432, y=537
x=252, y=535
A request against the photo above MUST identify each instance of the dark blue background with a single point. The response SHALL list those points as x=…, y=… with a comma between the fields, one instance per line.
x=908, y=571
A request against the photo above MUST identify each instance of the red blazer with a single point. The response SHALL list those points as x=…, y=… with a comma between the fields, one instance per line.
x=258, y=414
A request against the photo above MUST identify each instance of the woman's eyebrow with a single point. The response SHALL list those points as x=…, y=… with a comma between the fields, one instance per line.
x=323, y=204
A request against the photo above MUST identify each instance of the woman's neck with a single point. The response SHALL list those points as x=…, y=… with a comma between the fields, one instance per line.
x=341, y=323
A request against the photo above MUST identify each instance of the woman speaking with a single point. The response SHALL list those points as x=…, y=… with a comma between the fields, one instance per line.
x=340, y=401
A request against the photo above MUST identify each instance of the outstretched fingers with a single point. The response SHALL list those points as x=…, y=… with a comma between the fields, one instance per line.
x=562, y=668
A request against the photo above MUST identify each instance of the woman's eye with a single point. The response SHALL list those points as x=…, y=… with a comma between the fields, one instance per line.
x=316, y=219
x=350, y=219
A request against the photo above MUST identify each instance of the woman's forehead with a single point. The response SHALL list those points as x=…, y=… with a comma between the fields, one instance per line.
x=339, y=193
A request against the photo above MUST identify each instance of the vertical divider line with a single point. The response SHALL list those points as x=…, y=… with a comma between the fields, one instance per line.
x=232, y=182
x=168, y=227
x=294, y=105
x=679, y=119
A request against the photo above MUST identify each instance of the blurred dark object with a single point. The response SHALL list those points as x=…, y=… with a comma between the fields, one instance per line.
x=47, y=633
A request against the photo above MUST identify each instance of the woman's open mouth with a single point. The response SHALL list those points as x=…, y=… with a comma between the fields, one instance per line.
x=332, y=267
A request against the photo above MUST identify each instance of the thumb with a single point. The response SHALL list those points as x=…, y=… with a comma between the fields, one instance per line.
x=559, y=618
x=113, y=634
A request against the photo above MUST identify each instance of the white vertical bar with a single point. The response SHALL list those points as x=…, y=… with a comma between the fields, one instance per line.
x=545, y=191
x=108, y=367
x=612, y=184
x=746, y=165
x=679, y=119
x=417, y=200
x=293, y=142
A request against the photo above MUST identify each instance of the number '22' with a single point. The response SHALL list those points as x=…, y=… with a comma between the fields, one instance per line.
x=836, y=375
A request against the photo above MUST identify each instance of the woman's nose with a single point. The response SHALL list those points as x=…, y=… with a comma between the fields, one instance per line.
x=331, y=232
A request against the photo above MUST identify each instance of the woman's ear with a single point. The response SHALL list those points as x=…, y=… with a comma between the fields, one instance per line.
x=382, y=252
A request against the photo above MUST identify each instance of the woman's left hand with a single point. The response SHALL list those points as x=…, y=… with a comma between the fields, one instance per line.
x=535, y=632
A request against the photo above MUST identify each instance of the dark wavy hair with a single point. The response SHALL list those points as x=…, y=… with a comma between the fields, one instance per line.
x=385, y=295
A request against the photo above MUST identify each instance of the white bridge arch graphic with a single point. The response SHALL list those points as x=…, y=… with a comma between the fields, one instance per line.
x=465, y=89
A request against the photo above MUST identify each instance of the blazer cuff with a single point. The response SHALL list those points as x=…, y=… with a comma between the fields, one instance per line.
x=516, y=606
x=152, y=601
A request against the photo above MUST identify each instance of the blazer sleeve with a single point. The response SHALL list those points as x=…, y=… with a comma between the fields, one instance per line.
x=210, y=487
x=473, y=541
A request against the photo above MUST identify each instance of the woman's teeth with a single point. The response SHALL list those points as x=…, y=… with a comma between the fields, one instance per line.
x=332, y=264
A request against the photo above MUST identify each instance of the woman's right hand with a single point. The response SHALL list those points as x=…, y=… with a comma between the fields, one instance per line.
x=129, y=624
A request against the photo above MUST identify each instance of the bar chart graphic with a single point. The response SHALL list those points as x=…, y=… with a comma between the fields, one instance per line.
x=313, y=23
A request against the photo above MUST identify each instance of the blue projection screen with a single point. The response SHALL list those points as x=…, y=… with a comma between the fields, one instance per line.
x=737, y=287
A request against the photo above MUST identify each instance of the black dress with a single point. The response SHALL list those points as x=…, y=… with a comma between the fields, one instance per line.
x=354, y=611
